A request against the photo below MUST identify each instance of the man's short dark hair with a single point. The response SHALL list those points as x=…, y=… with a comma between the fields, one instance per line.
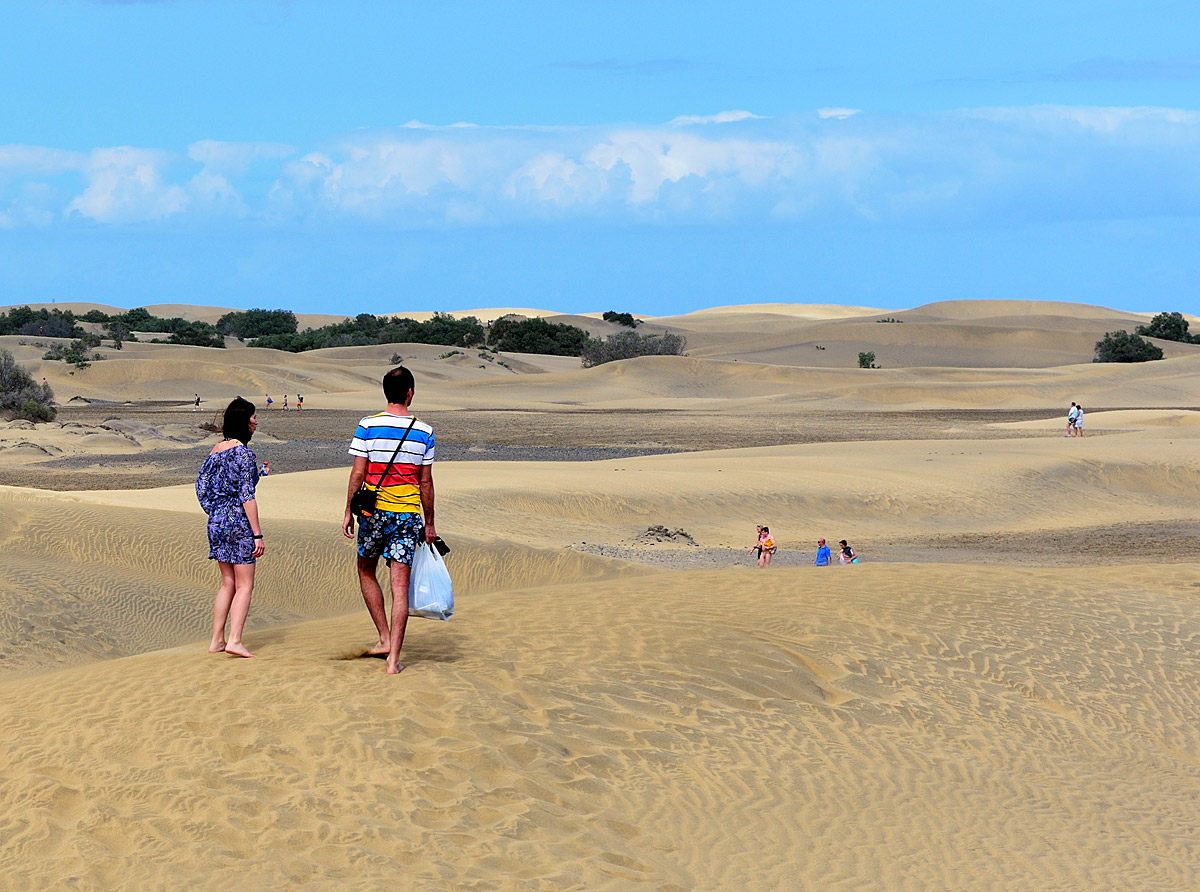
x=235, y=425
x=397, y=383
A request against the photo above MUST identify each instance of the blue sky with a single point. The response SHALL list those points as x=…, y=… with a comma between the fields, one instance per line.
x=655, y=158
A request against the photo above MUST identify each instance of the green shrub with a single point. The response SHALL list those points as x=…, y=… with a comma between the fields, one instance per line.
x=1167, y=327
x=32, y=410
x=20, y=396
x=625, y=319
x=866, y=360
x=75, y=353
x=537, y=336
x=628, y=344
x=197, y=334
x=257, y=323
x=1121, y=346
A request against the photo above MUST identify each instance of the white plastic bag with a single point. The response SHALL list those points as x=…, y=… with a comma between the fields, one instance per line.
x=430, y=591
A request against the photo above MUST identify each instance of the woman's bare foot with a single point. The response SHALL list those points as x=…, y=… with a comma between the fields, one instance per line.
x=216, y=647
x=394, y=668
x=238, y=650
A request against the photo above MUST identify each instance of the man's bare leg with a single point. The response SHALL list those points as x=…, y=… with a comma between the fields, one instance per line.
x=221, y=607
x=373, y=596
x=400, y=573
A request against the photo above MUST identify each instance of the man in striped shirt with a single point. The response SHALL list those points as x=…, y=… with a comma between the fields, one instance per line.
x=393, y=455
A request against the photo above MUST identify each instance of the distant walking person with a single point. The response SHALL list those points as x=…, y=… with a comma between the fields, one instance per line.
x=225, y=488
x=285, y=402
x=847, y=556
x=196, y=405
x=1079, y=421
x=270, y=402
x=393, y=457
x=1071, y=413
x=764, y=547
x=299, y=401
x=822, y=554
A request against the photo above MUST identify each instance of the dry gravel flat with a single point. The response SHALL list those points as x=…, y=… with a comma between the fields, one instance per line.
x=314, y=439
x=317, y=438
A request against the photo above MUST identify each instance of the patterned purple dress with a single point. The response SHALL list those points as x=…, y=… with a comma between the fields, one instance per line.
x=227, y=479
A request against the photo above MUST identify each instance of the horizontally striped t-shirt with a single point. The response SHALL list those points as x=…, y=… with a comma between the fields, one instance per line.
x=375, y=439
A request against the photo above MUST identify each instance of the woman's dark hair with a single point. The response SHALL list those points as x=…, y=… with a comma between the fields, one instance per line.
x=397, y=383
x=842, y=542
x=236, y=423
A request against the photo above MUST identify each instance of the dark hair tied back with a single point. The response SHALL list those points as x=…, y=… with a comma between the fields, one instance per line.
x=236, y=423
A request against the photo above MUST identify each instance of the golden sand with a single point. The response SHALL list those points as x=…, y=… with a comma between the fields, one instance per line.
x=591, y=723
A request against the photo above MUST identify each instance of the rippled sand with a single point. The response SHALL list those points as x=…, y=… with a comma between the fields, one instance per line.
x=940, y=716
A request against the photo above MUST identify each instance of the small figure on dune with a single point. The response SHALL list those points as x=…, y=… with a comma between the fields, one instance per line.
x=285, y=402
x=266, y=469
x=847, y=556
x=196, y=404
x=270, y=402
x=1079, y=421
x=225, y=488
x=299, y=402
x=1071, y=414
x=822, y=554
x=764, y=547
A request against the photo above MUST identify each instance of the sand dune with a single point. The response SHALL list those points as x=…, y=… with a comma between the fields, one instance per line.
x=901, y=727
x=1002, y=695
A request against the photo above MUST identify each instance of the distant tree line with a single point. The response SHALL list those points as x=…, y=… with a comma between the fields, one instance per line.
x=40, y=323
x=278, y=330
x=365, y=329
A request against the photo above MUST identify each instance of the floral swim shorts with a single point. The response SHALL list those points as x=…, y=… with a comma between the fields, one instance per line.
x=391, y=535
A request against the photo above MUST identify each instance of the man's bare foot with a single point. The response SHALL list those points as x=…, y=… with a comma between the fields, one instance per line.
x=238, y=650
x=394, y=668
x=382, y=647
x=216, y=647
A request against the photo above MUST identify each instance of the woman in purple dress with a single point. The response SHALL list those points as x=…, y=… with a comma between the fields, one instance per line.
x=225, y=488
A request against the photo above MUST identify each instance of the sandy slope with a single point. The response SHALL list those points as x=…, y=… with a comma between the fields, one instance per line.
x=894, y=727
x=589, y=723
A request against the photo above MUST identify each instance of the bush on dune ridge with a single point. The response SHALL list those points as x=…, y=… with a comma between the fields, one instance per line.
x=1121, y=346
x=628, y=344
x=1168, y=327
x=20, y=395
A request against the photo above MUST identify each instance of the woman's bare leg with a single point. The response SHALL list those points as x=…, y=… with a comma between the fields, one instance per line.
x=240, y=609
x=221, y=607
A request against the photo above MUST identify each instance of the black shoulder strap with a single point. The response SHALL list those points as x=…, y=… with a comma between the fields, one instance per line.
x=392, y=460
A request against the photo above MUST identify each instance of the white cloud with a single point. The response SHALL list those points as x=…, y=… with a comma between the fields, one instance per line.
x=125, y=185
x=235, y=157
x=725, y=117
x=1035, y=163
